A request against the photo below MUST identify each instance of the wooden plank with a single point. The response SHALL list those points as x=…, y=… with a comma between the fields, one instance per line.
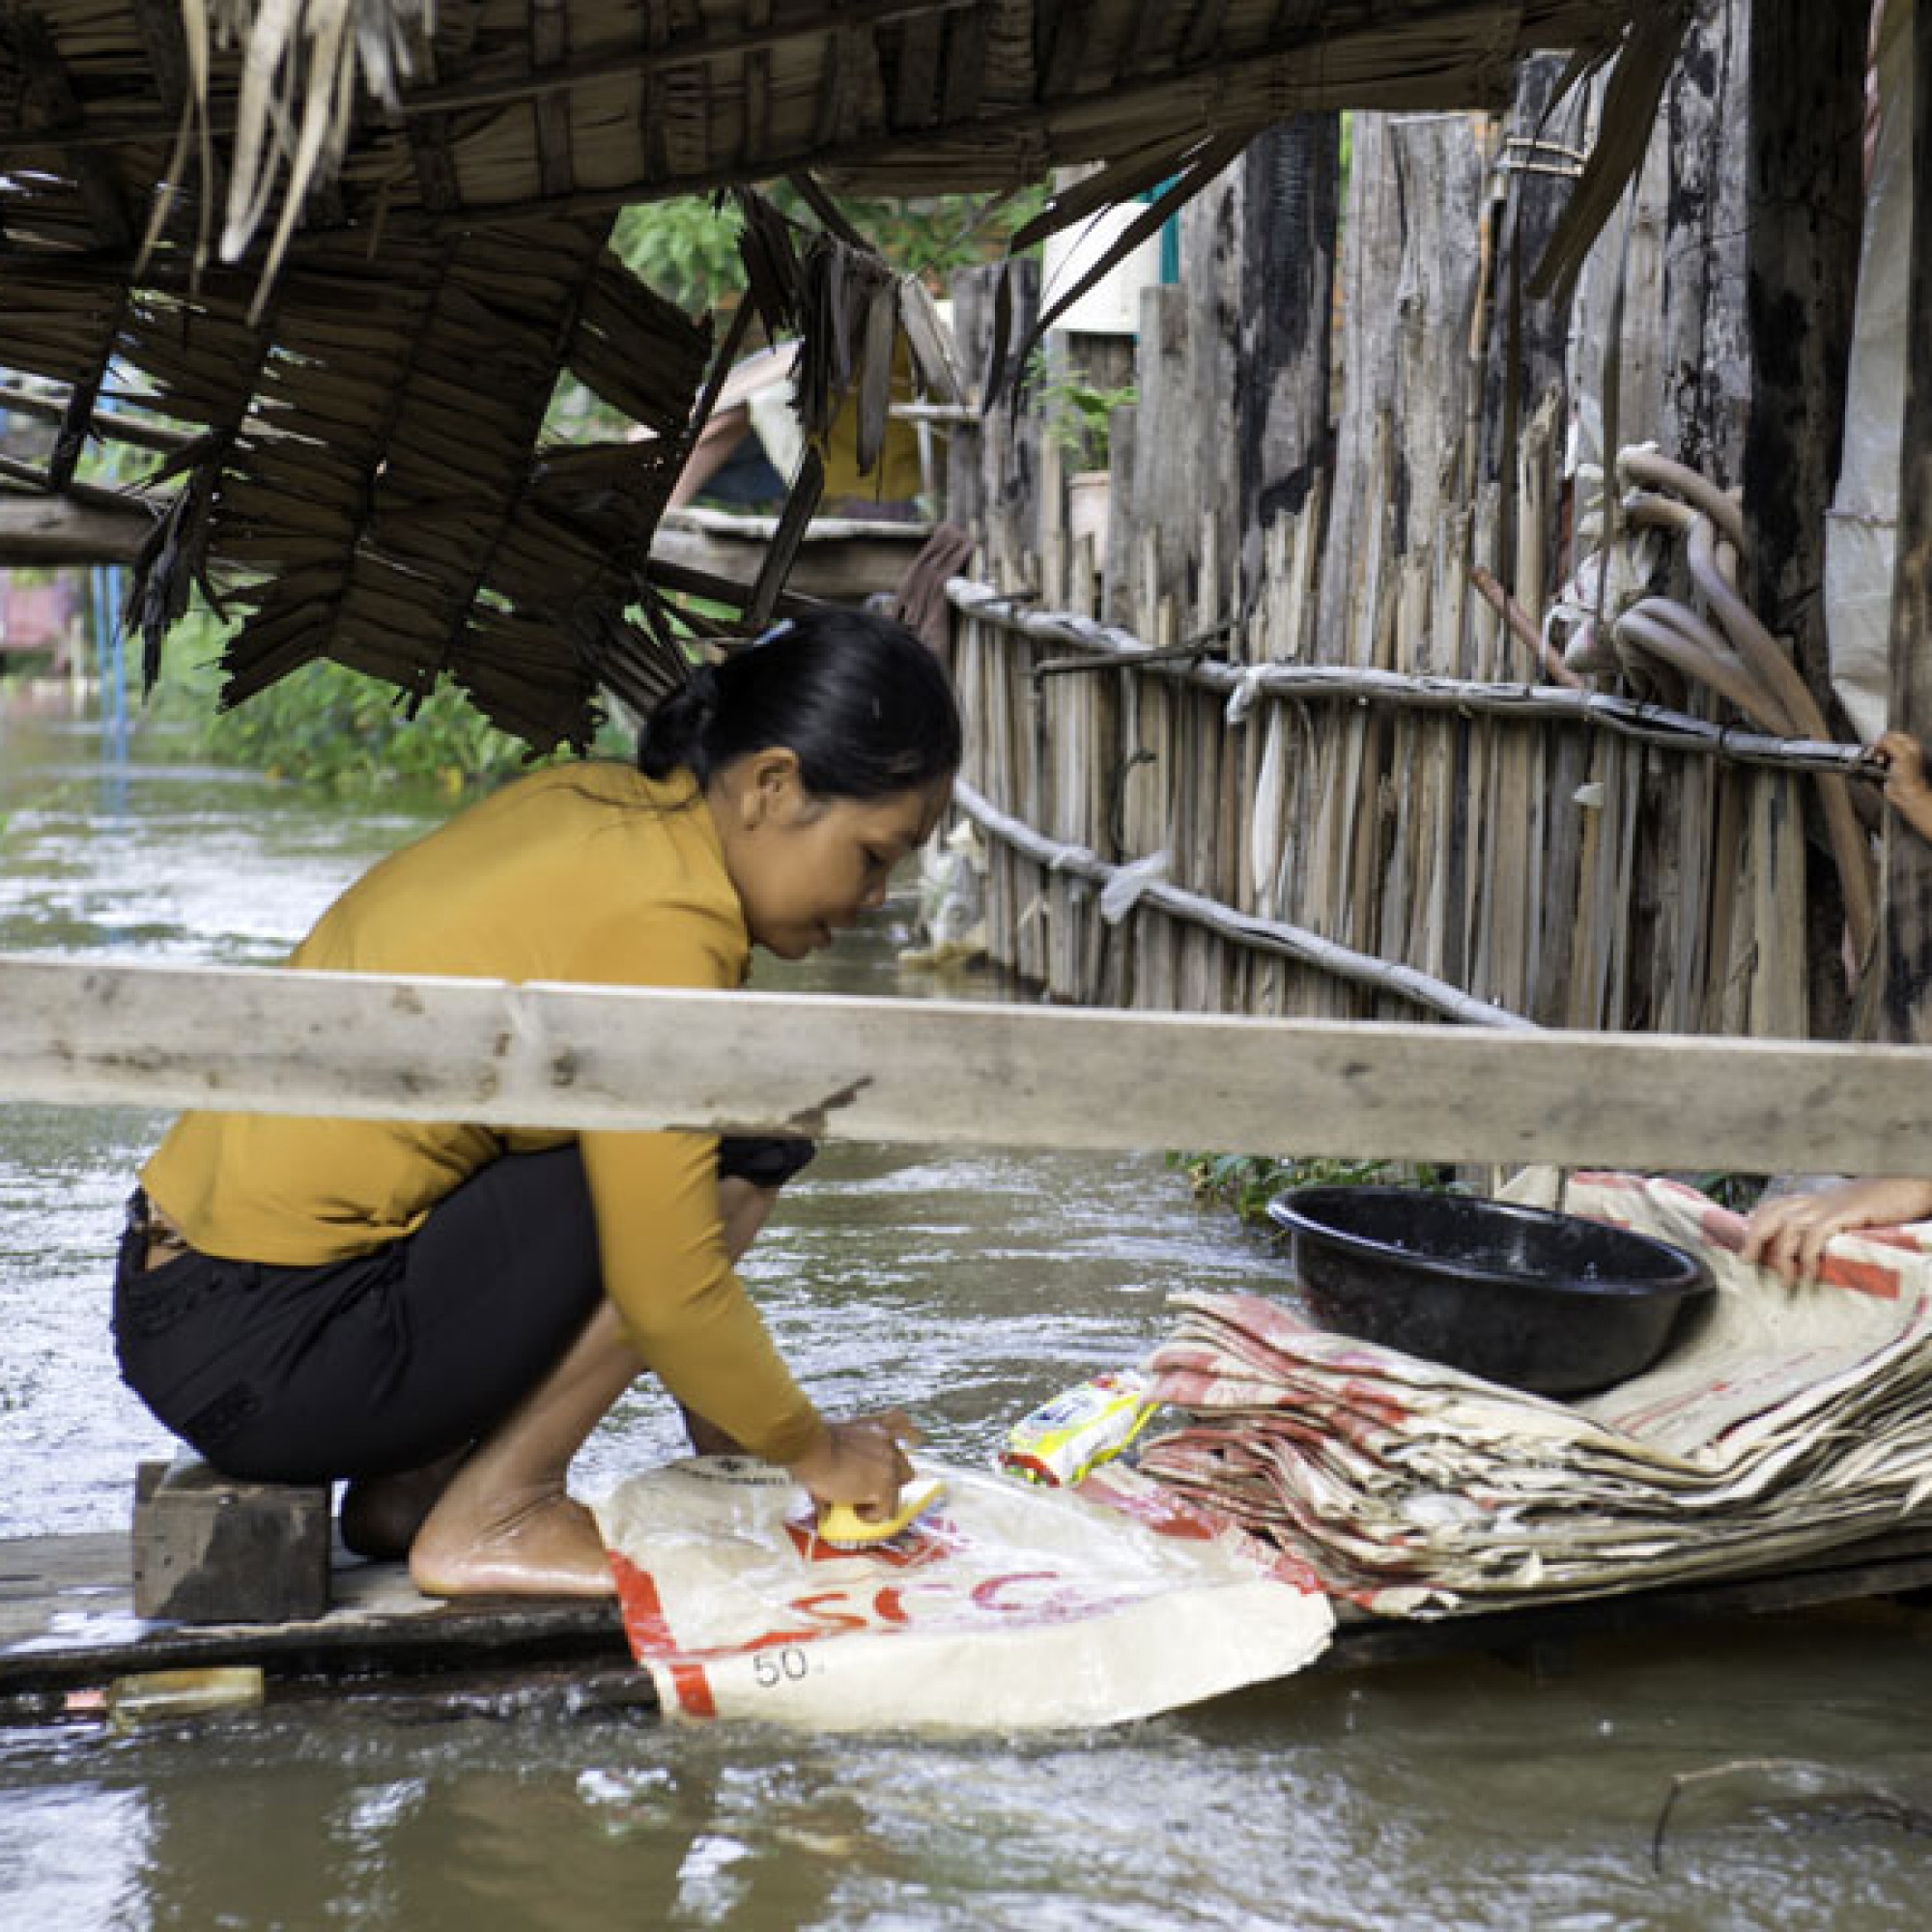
x=1707, y=396
x=1069, y=28
x=1289, y=202
x=1805, y=187
x=67, y=1618
x=1905, y=966
x=915, y=102
x=938, y=1071
x=212, y=1548
x=65, y=1624
x=844, y=570
x=1893, y=1565
x=37, y=530
x=1366, y=354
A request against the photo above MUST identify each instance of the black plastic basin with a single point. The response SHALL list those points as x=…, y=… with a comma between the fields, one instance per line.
x=1552, y=1303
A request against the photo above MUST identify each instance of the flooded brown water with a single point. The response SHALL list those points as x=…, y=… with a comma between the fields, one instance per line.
x=967, y=1286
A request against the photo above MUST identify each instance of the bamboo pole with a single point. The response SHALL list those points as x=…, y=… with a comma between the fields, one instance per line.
x=1339, y=962
x=1306, y=683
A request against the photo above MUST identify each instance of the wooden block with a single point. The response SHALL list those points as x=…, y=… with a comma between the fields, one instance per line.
x=210, y=1549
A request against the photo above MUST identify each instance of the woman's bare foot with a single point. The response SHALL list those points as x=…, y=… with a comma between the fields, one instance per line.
x=381, y=1515
x=546, y=1546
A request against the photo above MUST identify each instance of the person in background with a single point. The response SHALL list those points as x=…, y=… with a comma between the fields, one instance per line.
x=1789, y=1231
x=440, y=1314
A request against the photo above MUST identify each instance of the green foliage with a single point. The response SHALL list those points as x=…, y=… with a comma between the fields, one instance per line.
x=327, y=725
x=1738, y=1192
x=687, y=247
x=1247, y=1182
x=1078, y=418
x=1077, y=413
x=330, y=727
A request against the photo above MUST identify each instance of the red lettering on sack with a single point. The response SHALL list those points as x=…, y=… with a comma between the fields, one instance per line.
x=1871, y=1278
x=906, y=1551
x=829, y=1620
x=987, y=1593
x=692, y=1690
x=1893, y=1237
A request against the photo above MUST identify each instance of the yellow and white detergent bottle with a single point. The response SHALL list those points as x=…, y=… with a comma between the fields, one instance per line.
x=1063, y=1440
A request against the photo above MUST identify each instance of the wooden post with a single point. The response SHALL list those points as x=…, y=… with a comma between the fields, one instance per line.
x=1705, y=346
x=1213, y=274
x=993, y=480
x=965, y=451
x=1531, y=338
x=1258, y=260
x=1289, y=204
x=1905, y=1002
x=1439, y=172
x=1372, y=260
x=1167, y=491
x=1411, y=271
x=1807, y=68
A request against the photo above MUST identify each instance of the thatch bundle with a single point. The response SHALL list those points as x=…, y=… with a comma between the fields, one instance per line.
x=352, y=243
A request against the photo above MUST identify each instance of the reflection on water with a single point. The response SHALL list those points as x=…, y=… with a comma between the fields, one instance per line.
x=966, y=1286
x=1475, y=1796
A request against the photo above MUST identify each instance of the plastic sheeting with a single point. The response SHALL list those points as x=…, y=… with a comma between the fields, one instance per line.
x=1003, y=1608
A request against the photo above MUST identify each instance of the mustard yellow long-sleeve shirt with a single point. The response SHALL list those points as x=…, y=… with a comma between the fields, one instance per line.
x=586, y=872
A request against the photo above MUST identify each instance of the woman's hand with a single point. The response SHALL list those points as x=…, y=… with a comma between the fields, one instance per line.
x=862, y=1463
x=1789, y=1234
x=1907, y=789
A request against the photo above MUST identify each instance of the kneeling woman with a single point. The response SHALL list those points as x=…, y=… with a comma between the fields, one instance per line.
x=442, y=1314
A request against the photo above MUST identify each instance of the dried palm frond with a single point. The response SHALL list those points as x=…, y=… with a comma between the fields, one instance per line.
x=1190, y=171
x=300, y=61
x=369, y=484
x=1643, y=66
x=851, y=310
x=374, y=237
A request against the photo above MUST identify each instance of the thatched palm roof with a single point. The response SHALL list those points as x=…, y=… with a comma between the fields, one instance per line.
x=365, y=361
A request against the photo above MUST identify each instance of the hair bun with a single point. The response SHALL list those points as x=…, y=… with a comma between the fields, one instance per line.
x=675, y=735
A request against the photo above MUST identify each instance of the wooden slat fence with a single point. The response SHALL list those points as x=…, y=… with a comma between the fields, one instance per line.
x=1481, y=834
x=1618, y=850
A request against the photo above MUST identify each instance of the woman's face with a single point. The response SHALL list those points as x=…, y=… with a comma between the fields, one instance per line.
x=806, y=868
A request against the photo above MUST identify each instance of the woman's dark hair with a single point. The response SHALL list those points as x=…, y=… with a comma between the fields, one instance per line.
x=863, y=704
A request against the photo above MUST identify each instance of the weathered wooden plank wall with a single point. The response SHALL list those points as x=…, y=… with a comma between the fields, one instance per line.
x=1906, y=1004
x=1558, y=871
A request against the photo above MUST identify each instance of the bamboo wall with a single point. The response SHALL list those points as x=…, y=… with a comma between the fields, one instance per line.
x=1554, y=870
x=1543, y=866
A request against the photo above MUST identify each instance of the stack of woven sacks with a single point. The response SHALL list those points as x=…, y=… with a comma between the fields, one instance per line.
x=1793, y=1419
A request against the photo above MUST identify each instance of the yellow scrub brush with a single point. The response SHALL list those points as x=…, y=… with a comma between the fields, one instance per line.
x=842, y=1526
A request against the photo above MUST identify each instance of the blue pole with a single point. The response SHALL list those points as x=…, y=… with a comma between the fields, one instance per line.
x=110, y=654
